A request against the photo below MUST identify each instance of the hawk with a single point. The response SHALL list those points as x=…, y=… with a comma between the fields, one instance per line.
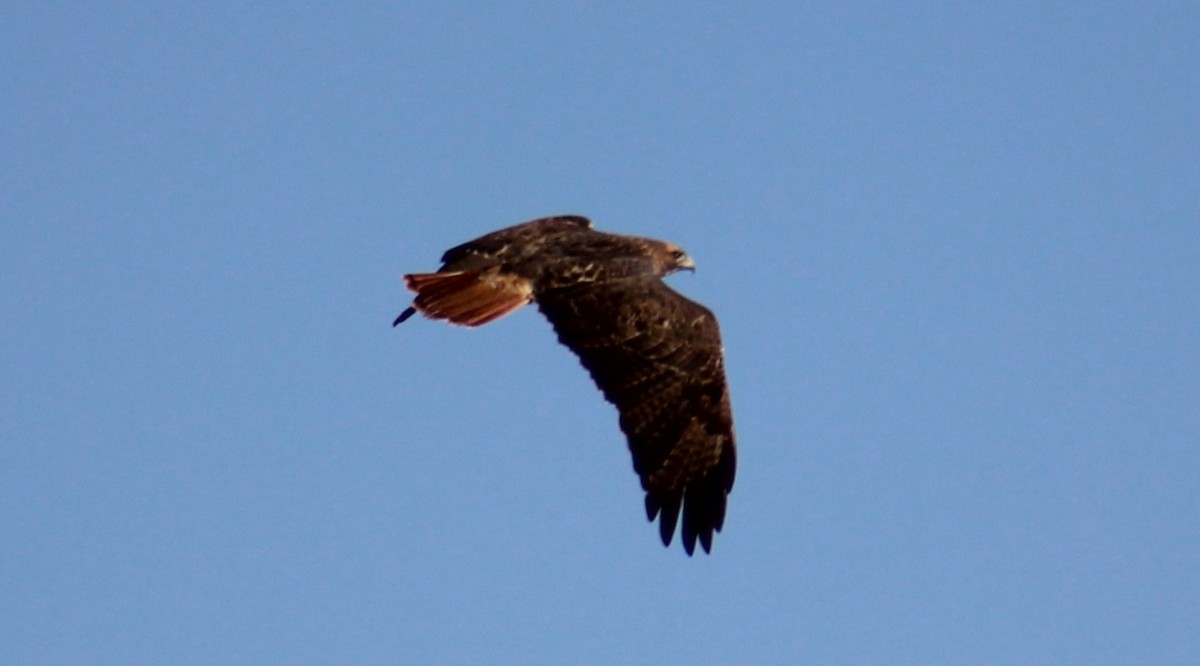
x=654, y=354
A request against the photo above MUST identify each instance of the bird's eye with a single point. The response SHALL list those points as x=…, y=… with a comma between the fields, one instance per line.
x=677, y=254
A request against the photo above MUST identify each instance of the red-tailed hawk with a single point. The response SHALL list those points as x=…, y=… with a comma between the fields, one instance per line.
x=653, y=353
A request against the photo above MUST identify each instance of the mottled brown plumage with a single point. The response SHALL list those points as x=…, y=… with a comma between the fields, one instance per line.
x=652, y=352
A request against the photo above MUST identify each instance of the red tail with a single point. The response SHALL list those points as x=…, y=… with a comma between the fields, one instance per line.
x=468, y=298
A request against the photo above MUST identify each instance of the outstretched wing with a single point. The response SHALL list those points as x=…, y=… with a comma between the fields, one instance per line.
x=657, y=356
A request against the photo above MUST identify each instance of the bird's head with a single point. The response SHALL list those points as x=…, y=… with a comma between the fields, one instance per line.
x=675, y=259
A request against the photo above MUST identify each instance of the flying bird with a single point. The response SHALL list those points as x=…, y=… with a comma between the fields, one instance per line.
x=653, y=353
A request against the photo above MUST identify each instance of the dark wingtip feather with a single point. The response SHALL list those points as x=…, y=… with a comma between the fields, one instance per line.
x=651, y=507
x=404, y=315
x=668, y=516
x=666, y=530
x=698, y=516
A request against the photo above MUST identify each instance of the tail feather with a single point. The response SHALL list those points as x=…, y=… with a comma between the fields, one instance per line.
x=468, y=298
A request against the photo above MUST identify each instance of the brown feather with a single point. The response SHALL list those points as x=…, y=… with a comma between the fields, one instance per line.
x=657, y=356
x=468, y=298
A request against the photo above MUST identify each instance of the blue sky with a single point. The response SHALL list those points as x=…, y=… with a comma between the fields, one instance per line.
x=955, y=252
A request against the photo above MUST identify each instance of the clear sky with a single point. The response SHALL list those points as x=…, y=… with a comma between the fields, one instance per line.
x=955, y=252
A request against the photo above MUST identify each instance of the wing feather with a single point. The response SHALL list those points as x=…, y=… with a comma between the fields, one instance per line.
x=657, y=357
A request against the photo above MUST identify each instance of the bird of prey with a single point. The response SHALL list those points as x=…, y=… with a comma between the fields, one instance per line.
x=654, y=354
